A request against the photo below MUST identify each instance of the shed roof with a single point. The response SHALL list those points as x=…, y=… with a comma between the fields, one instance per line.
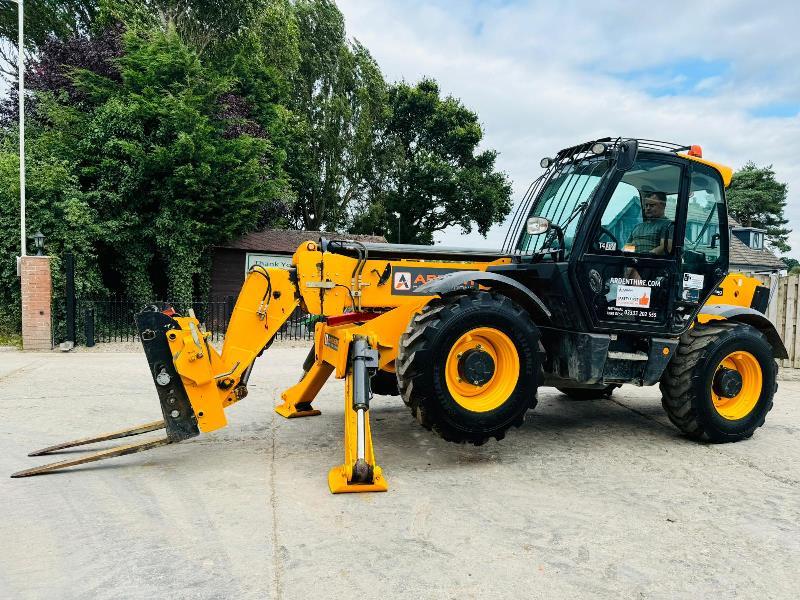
x=286, y=241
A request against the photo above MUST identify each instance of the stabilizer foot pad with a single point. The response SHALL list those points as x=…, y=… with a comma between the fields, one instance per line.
x=291, y=412
x=338, y=484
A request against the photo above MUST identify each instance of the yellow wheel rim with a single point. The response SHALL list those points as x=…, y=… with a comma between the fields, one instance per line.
x=742, y=404
x=495, y=391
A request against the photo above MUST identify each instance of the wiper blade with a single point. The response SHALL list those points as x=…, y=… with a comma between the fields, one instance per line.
x=579, y=208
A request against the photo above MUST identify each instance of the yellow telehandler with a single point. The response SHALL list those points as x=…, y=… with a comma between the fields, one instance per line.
x=614, y=271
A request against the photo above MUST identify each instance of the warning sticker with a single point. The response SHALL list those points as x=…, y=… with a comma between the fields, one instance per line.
x=633, y=296
x=691, y=295
x=692, y=281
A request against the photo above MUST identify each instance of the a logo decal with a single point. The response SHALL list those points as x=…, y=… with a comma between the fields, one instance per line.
x=633, y=296
x=331, y=341
x=402, y=281
x=407, y=279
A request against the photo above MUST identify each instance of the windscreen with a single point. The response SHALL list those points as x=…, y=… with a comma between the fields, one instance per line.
x=562, y=202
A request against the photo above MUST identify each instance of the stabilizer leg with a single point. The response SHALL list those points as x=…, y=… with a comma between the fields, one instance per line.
x=359, y=473
x=298, y=398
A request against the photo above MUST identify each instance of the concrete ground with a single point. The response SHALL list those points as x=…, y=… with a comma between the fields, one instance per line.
x=587, y=499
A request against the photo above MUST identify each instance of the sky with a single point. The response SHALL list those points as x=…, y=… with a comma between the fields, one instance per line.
x=546, y=75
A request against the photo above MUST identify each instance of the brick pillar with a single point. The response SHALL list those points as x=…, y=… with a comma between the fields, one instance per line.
x=37, y=290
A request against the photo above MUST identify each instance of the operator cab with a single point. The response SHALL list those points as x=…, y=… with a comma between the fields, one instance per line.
x=623, y=240
x=625, y=235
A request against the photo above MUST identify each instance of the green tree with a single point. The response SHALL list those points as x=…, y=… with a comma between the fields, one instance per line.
x=165, y=156
x=203, y=25
x=175, y=161
x=157, y=129
x=431, y=172
x=56, y=205
x=792, y=264
x=44, y=19
x=757, y=199
x=339, y=102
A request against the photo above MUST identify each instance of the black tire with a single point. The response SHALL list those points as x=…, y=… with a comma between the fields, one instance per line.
x=687, y=380
x=422, y=358
x=384, y=383
x=588, y=393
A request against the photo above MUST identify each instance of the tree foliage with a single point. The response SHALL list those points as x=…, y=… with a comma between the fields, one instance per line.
x=44, y=20
x=338, y=102
x=792, y=264
x=757, y=199
x=431, y=172
x=155, y=163
x=159, y=128
x=203, y=25
x=55, y=204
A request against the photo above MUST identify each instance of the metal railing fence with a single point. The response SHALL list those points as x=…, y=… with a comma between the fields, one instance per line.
x=108, y=320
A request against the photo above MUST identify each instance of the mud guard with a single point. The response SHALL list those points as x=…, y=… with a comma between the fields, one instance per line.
x=460, y=280
x=748, y=316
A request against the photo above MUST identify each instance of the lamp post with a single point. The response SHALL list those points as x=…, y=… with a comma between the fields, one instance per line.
x=21, y=77
x=397, y=214
x=38, y=242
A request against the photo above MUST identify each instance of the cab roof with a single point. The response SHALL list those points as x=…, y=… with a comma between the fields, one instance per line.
x=684, y=151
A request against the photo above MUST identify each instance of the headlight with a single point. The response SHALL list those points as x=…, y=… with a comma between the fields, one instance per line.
x=537, y=225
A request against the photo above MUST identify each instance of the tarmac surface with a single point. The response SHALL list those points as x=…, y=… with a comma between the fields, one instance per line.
x=599, y=499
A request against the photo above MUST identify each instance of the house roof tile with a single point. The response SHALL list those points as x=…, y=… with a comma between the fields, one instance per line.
x=743, y=256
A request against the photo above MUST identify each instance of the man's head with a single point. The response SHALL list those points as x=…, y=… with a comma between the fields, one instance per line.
x=654, y=204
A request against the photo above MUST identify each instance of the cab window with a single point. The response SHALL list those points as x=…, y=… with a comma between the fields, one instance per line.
x=562, y=202
x=640, y=216
x=702, y=241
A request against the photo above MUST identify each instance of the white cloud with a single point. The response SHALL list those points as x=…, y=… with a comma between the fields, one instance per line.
x=543, y=76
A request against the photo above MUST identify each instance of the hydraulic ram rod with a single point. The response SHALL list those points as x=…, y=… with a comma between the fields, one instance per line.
x=363, y=356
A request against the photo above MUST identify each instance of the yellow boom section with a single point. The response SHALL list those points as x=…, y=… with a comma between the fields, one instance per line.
x=374, y=300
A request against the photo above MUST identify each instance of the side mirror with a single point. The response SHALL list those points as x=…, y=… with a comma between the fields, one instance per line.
x=714, y=239
x=537, y=225
x=626, y=154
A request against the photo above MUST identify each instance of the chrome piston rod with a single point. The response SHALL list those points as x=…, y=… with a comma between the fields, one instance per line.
x=364, y=358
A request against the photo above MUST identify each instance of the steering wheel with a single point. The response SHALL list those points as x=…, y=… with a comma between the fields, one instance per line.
x=605, y=230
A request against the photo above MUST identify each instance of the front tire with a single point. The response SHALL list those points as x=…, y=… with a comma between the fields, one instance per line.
x=468, y=366
x=721, y=382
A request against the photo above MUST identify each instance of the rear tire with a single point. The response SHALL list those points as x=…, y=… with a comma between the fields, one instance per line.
x=687, y=384
x=434, y=351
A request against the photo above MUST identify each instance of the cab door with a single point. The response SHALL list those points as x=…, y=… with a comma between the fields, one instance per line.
x=704, y=256
x=628, y=273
